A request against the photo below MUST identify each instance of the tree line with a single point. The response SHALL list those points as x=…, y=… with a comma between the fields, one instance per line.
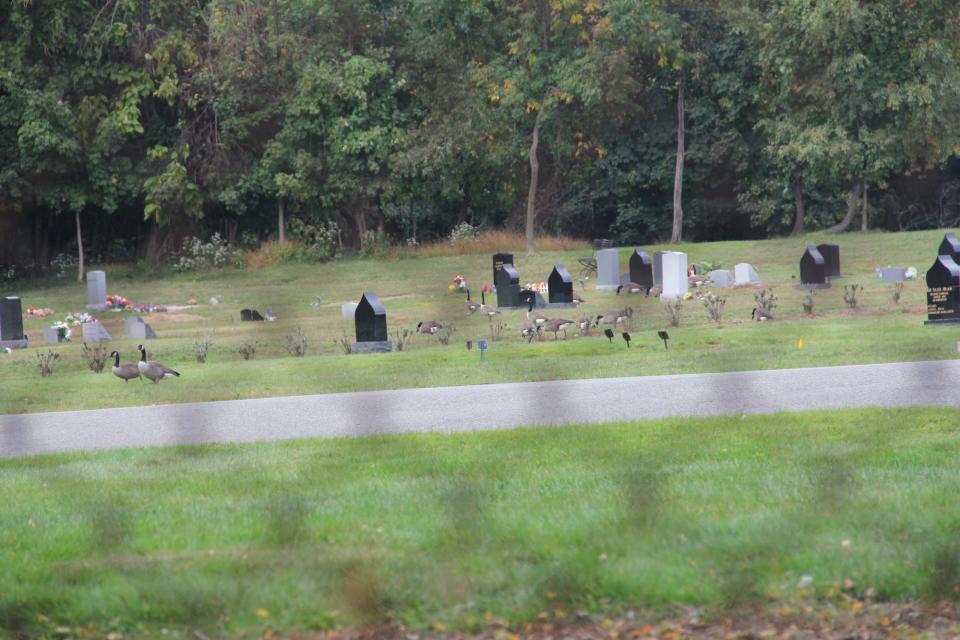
x=126, y=125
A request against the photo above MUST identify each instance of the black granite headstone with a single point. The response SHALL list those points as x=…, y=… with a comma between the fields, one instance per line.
x=813, y=269
x=560, y=285
x=950, y=247
x=250, y=315
x=507, y=280
x=370, y=319
x=831, y=259
x=943, y=290
x=641, y=268
x=11, y=320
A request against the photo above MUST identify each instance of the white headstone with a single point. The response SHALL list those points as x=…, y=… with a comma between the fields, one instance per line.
x=721, y=278
x=96, y=290
x=608, y=269
x=95, y=332
x=892, y=274
x=347, y=310
x=137, y=329
x=658, y=267
x=674, y=275
x=746, y=274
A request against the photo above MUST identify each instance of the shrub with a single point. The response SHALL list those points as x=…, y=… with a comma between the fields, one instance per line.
x=45, y=362
x=897, y=292
x=464, y=232
x=63, y=262
x=444, y=335
x=297, y=343
x=496, y=329
x=714, y=305
x=765, y=300
x=374, y=244
x=95, y=357
x=675, y=311
x=400, y=338
x=248, y=349
x=200, y=348
x=196, y=254
x=319, y=240
x=344, y=342
x=851, y=294
x=808, y=303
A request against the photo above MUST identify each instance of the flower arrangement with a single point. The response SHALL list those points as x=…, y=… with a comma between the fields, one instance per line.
x=152, y=308
x=76, y=319
x=119, y=302
x=63, y=330
x=540, y=287
x=486, y=288
x=34, y=312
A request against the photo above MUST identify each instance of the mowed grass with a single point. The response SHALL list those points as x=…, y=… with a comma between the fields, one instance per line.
x=414, y=288
x=463, y=531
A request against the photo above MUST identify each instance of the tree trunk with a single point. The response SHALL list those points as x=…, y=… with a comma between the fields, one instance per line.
x=534, y=181
x=801, y=213
x=678, y=170
x=153, y=243
x=863, y=210
x=79, y=250
x=851, y=209
x=281, y=223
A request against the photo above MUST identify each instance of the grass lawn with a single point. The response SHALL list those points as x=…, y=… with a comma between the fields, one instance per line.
x=415, y=288
x=466, y=531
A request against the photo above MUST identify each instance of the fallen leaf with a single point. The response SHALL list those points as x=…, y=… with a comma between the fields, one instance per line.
x=263, y=613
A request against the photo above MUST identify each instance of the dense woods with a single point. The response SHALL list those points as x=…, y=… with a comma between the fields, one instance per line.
x=127, y=125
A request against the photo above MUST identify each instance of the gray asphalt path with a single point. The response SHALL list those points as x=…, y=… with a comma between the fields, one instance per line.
x=481, y=407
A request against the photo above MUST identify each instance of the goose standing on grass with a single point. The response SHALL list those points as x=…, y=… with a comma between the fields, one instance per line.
x=655, y=290
x=584, y=324
x=472, y=305
x=535, y=317
x=555, y=325
x=429, y=327
x=761, y=314
x=486, y=309
x=151, y=369
x=126, y=371
x=530, y=332
x=631, y=287
x=613, y=317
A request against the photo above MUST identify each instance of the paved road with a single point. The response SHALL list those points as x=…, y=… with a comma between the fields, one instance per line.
x=494, y=406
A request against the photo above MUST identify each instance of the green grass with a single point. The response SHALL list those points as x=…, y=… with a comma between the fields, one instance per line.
x=416, y=288
x=421, y=529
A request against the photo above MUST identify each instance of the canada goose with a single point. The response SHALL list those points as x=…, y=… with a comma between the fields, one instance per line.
x=761, y=314
x=535, y=317
x=472, y=305
x=126, y=371
x=557, y=324
x=584, y=324
x=151, y=369
x=578, y=299
x=655, y=290
x=530, y=332
x=486, y=309
x=612, y=317
x=428, y=327
x=631, y=287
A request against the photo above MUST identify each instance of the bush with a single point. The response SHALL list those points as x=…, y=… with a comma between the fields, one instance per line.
x=319, y=240
x=464, y=232
x=675, y=311
x=62, y=262
x=248, y=349
x=851, y=294
x=297, y=343
x=195, y=254
x=765, y=300
x=808, y=304
x=201, y=346
x=374, y=244
x=45, y=362
x=714, y=305
x=897, y=292
x=95, y=357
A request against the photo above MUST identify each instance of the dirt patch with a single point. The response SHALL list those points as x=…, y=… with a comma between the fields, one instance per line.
x=173, y=317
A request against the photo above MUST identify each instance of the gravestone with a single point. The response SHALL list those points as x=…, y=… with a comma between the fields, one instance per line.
x=675, y=281
x=348, y=310
x=831, y=259
x=722, y=278
x=608, y=269
x=11, y=323
x=506, y=279
x=950, y=246
x=813, y=270
x=745, y=274
x=658, y=267
x=95, y=332
x=538, y=302
x=641, y=268
x=943, y=291
x=51, y=335
x=250, y=315
x=892, y=274
x=560, y=285
x=370, y=320
x=135, y=328
x=96, y=290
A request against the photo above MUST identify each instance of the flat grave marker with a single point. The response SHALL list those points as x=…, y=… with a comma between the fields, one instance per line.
x=136, y=329
x=95, y=332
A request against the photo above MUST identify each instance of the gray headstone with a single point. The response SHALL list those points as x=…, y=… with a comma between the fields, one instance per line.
x=608, y=269
x=372, y=346
x=722, y=278
x=745, y=274
x=658, y=267
x=95, y=332
x=11, y=322
x=96, y=290
x=347, y=310
x=675, y=282
x=51, y=335
x=136, y=329
x=892, y=274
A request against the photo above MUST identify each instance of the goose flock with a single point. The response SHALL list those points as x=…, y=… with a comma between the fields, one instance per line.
x=149, y=369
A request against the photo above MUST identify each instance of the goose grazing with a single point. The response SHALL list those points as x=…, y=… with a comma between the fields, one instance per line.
x=655, y=290
x=578, y=299
x=535, y=317
x=429, y=327
x=486, y=309
x=613, y=318
x=555, y=325
x=761, y=314
x=631, y=287
x=472, y=305
x=584, y=324
x=151, y=369
x=127, y=371
x=530, y=332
